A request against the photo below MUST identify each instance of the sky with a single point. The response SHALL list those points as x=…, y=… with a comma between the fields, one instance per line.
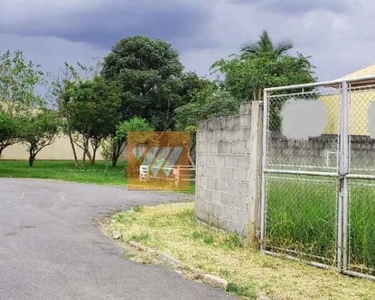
x=337, y=34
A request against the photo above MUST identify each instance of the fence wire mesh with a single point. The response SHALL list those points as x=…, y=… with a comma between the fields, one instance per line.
x=361, y=206
x=302, y=137
x=318, y=200
x=303, y=130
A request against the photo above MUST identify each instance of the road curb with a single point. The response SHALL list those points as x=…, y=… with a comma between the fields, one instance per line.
x=206, y=278
x=212, y=280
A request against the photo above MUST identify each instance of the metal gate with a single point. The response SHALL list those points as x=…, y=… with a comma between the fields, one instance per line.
x=318, y=181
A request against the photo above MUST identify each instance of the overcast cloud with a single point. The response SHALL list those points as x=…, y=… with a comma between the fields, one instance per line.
x=336, y=33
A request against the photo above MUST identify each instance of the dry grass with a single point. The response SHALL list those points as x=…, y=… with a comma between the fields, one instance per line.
x=173, y=229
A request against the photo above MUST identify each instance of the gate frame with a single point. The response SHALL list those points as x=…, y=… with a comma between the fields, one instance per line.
x=342, y=174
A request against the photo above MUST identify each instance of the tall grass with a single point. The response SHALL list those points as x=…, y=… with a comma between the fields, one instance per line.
x=362, y=224
x=302, y=218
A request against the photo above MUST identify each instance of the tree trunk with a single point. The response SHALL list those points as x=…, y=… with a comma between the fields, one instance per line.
x=31, y=158
x=86, y=151
x=114, y=162
x=1, y=152
x=117, y=150
x=95, y=143
x=93, y=156
x=73, y=147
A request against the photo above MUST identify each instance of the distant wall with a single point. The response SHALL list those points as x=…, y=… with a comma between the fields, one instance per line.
x=225, y=190
x=59, y=150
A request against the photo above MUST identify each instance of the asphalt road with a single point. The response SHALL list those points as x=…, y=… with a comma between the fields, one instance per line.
x=51, y=246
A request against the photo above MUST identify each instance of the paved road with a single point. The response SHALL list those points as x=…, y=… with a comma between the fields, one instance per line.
x=51, y=247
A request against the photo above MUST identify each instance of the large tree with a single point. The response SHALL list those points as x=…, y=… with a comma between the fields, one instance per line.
x=19, y=80
x=265, y=47
x=93, y=110
x=148, y=73
x=246, y=79
x=38, y=130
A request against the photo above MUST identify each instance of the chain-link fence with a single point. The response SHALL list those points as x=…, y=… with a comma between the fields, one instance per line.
x=360, y=227
x=318, y=200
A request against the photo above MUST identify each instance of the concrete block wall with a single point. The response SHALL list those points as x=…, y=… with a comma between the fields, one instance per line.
x=224, y=172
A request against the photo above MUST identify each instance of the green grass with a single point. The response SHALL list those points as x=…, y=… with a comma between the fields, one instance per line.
x=301, y=217
x=65, y=170
x=100, y=173
x=173, y=229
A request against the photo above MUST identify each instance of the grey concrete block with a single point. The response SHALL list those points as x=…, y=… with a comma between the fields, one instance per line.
x=230, y=161
x=234, y=187
x=240, y=174
x=245, y=188
x=207, y=195
x=221, y=185
x=243, y=161
x=211, y=184
x=245, y=121
x=216, y=197
x=228, y=199
x=218, y=210
x=241, y=216
x=227, y=173
x=214, y=148
x=210, y=208
x=210, y=172
x=241, y=202
x=239, y=147
x=211, y=160
x=223, y=147
x=229, y=213
x=219, y=161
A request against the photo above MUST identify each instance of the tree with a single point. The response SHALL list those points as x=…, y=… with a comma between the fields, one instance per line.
x=191, y=87
x=117, y=144
x=8, y=131
x=246, y=79
x=93, y=110
x=38, y=131
x=216, y=104
x=265, y=47
x=18, y=81
x=148, y=73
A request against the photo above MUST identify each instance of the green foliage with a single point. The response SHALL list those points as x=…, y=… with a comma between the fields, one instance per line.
x=134, y=124
x=18, y=80
x=93, y=107
x=218, y=103
x=193, y=87
x=8, y=131
x=246, y=79
x=265, y=47
x=92, y=110
x=38, y=130
x=114, y=146
x=148, y=73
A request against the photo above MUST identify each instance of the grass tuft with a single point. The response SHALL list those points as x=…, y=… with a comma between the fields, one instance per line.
x=242, y=290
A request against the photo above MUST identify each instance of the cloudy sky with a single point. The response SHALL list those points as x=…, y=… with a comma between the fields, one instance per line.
x=336, y=33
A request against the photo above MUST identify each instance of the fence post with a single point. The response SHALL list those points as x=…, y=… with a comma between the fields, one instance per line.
x=255, y=176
